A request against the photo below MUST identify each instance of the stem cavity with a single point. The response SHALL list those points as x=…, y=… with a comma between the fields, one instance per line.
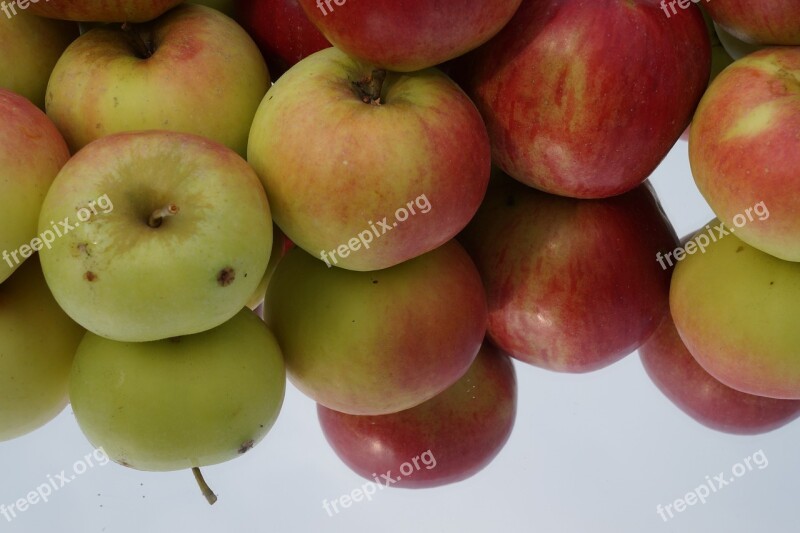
x=369, y=88
x=159, y=215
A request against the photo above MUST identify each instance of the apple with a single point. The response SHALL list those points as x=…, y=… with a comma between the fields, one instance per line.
x=31, y=46
x=455, y=434
x=372, y=343
x=368, y=175
x=758, y=21
x=154, y=235
x=34, y=362
x=584, y=99
x=697, y=393
x=194, y=71
x=735, y=309
x=411, y=35
x=572, y=285
x=32, y=152
x=179, y=403
x=744, y=149
x=102, y=10
x=282, y=31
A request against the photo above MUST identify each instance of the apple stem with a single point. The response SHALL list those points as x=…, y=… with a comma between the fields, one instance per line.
x=159, y=215
x=204, y=488
x=369, y=89
x=142, y=49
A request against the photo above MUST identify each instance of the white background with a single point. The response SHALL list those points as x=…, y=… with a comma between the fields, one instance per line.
x=589, y=453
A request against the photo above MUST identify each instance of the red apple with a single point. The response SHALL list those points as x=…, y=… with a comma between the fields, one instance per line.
x=759, y=21
x=584, y=99
x=458, y=431
x=697, y=393
x=744, y=149
x=281, y=30
x=572, y=285
x=412, y=34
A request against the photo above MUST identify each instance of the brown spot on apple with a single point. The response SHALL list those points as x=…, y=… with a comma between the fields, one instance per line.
x=90, y=276
x=226, y=276
x=246, y=446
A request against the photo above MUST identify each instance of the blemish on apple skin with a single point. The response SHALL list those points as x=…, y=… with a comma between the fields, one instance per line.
x=246, y=446
x=739, y=249
x=84, y=248
x=226, y=276
x=90, y=276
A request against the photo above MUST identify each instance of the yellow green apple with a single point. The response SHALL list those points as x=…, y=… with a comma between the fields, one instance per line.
x=183, y=402
x=193, y=70
x=37, y=345
x=371, y=343
x=32, y=152
x=736, y=310
x=162, y=234
x=31, y=46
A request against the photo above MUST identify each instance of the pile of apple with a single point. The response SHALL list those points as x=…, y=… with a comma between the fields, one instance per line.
x=168, y=112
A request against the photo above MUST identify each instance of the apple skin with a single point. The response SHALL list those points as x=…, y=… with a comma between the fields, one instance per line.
x=102, y=10
x=736, y=48
x=331, y=163
x=373, y=343
x=735, y=309
x=32, y=152
x=31, y=46
x=123, y=279
x=227, y=7
x=744, y=148
x=572, y=285
x=584, y=99
x=182, y=402
x=464, y=427
x=698, y=394
x=100, y=86
x=413, y=34
x=279, y=248
x=34, y=367
x=758, y=21
x=281, y=30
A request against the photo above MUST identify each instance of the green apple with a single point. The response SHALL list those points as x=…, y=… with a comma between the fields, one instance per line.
x=163, y=234
x=366, y=173
x=102, y=10
x=183, y=402
x=194, y=70
x=736, y=310
x=370, y=343
x=32, y=152
x=31, y=46
x=37, y=345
